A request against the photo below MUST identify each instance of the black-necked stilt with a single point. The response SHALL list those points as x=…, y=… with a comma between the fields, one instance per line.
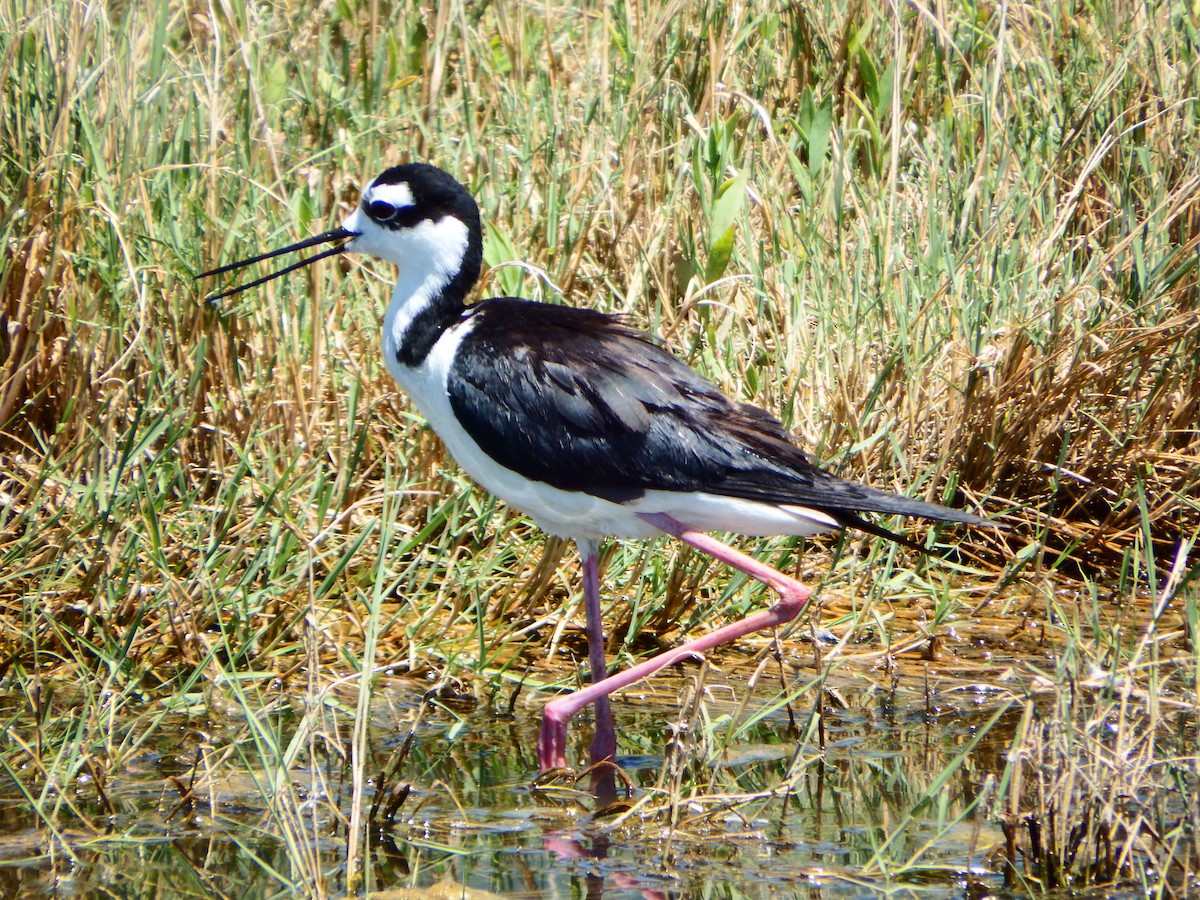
x=584, y=424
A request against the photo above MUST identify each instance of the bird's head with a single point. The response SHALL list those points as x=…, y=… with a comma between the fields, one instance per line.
x=415, y=216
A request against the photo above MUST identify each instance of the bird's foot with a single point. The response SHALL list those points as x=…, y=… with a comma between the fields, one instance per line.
x=552, y=739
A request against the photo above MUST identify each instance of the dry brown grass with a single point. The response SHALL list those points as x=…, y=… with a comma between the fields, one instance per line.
x=966, y=269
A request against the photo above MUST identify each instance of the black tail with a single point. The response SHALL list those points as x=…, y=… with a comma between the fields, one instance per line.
x=919, y=508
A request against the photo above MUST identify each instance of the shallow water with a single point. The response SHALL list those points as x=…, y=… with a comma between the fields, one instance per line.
x=855, y=790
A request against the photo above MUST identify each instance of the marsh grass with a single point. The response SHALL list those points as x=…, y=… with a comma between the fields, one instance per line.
x=954, y=248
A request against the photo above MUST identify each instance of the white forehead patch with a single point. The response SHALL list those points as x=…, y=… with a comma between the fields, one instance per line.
x=396, y=195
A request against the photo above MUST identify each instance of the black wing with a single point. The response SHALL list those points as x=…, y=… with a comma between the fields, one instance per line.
x=575, y=399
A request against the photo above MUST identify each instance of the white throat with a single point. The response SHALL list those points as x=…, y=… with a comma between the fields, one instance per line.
x=428, y=256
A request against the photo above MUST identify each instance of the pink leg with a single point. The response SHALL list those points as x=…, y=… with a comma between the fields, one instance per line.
x=793, y=596
x=604, y=742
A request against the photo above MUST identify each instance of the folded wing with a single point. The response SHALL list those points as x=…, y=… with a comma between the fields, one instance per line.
x=575, y=399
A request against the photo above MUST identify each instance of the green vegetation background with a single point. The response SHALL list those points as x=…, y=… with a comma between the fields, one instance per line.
x=953, y=246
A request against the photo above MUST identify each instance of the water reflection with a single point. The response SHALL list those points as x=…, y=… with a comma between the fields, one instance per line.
x=810, y=799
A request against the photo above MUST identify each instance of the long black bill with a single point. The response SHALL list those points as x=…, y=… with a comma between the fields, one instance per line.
x=335, y=234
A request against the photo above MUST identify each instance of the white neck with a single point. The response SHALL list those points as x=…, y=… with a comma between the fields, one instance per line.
x=429, y=255
x=416, y=291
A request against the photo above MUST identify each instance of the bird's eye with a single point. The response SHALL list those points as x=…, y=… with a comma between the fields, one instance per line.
x=380, y=210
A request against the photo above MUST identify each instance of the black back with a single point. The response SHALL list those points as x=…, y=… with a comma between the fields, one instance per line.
x=575, y=399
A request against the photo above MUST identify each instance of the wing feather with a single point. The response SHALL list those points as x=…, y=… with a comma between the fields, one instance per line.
x=576, y=399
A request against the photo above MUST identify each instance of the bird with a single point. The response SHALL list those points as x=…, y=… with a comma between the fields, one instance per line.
x=587, y=425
